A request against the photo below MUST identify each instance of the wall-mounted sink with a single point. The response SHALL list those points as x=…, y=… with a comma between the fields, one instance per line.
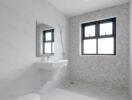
x=52, y=65
x=53, y=73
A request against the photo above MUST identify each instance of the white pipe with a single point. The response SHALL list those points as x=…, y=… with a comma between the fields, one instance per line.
x=60, y=29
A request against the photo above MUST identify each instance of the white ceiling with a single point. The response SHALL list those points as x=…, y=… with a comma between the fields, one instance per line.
x=76, y=7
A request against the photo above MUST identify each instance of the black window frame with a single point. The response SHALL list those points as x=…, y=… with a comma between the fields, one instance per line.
x=97, y=34
x=49, y=41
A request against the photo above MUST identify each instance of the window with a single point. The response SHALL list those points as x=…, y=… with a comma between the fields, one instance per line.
x=48, y=41
x=99, y=37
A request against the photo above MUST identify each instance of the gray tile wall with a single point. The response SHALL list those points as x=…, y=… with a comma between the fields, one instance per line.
x=112, y=71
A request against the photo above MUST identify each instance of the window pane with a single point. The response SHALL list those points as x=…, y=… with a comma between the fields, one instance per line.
x=89, y=31
x=47, y=47
x=48, y=36
x=90, y=46
x=106, y=46
x=53, y=47
x=106, y=28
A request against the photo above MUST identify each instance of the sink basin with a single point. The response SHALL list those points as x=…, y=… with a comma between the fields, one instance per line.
x=53, y=73
x=52, y=65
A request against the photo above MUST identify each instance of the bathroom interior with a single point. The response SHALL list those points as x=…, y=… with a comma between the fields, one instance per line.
x=65, y=50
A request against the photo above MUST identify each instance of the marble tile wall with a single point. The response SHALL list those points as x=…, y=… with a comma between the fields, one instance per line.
x=18, y=35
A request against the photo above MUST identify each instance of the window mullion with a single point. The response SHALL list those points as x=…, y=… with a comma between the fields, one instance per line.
x=43, y=42
x=82, y=40
x=97, y=36
x=114, y=34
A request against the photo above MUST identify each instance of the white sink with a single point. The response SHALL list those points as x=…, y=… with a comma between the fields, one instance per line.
x=52, y=65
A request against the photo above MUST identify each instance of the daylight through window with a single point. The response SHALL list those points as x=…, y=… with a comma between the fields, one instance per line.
x=48, y=41
x=99, y=37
